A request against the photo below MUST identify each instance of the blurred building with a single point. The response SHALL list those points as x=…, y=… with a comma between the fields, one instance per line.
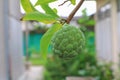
x=11, y=55
x=108, y=30
x=32, y=34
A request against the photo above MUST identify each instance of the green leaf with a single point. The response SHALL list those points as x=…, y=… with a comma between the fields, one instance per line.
x=48, y=10
x=90, y=23
x=55, y=10
x=27, y=6
x=38, y=16
x=73, y=2
x=45, y=40
x=40, y=2
x=86, y=22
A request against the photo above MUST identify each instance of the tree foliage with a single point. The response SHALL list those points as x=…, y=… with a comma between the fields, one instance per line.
x=49, y=17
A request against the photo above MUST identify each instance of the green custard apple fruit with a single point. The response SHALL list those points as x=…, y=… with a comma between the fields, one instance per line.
x=68, y=42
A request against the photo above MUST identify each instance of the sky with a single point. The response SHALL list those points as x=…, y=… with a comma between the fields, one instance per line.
x=65, y=9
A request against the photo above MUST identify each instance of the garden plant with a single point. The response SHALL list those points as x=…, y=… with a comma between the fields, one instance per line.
x=70, y=52
x=60, y=27
x=84, y=65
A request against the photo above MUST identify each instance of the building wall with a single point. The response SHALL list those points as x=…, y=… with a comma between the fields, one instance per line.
x=103, y=30
x=107, y=31
x=101, y=3
x=15, y=42
x=11, y=59
x=118, y=18
x=3, y=68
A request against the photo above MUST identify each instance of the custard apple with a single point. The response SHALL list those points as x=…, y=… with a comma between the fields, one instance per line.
x=68, y=42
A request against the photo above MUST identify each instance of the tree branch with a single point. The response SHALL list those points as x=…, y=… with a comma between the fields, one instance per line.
x=63, y=3
x=74, y=11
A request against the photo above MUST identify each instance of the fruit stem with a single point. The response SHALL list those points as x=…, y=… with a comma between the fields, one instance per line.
x=74, y=11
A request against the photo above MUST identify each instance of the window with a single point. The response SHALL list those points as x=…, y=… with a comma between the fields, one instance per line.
x=104, y=12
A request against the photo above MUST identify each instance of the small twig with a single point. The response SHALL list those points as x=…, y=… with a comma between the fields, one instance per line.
x=63, y=3
x=74, y=11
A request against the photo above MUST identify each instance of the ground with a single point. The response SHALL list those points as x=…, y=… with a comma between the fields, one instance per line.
x=34, y=73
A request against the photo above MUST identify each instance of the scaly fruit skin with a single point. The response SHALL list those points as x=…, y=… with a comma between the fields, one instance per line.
x=68, y=42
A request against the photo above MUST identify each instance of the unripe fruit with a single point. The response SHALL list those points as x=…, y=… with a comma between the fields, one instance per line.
x=68, y=42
